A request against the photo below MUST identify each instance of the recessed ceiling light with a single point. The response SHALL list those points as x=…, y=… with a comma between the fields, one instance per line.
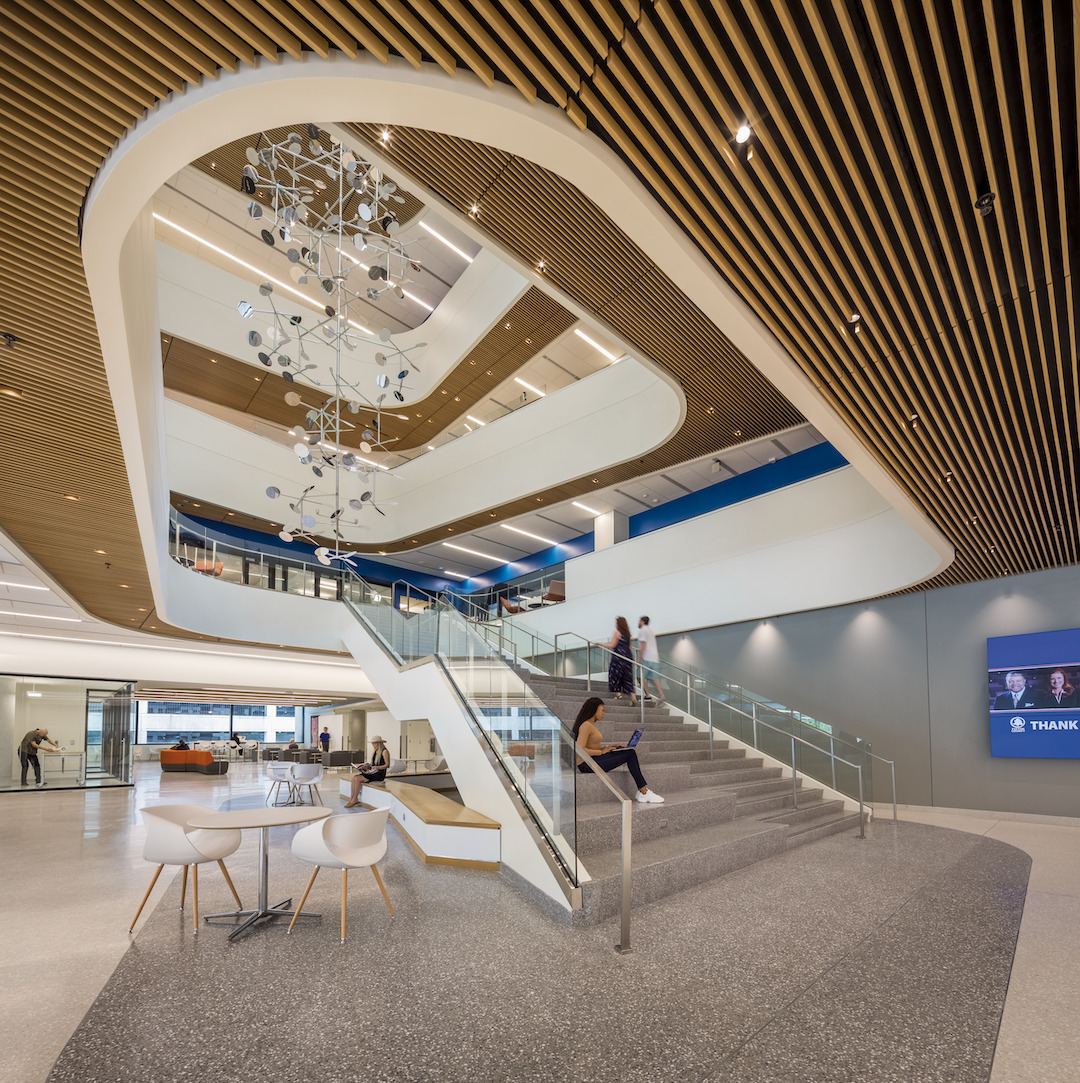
x=738, y=432
x=431, y=447
x=25, y=586
x=100, y=552
x=528, y=534
x=471, y=552
x=476, y=419
x=595, y=345
x=11, y=392
x=474, y=209
x=743, y=134
x=585, y=507
x=68, y=496
x=528, y=387
x=36, y=695
x=456, y=575
x=125, y=586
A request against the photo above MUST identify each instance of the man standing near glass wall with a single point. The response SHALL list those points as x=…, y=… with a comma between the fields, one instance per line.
x=29, y=747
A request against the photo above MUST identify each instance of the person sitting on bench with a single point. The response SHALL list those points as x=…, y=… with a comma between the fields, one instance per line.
x=370, y=772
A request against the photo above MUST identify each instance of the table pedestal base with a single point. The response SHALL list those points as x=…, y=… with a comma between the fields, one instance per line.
x=250, y=917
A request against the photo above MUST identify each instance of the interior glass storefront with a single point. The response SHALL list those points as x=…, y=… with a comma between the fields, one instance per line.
x=91, y=721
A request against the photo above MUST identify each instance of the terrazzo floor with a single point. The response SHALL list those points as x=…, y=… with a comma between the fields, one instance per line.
x=846, y=960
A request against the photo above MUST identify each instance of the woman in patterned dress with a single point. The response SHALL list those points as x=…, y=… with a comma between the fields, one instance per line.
x=621, y=670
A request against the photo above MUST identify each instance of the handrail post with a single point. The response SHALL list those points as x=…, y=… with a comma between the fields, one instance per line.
x=862, y=818
x=753, y=713
x=795, y=775
x=710, y=729
x=623, y=946
x=832, y=759
x=892, y=764
x=588, y=666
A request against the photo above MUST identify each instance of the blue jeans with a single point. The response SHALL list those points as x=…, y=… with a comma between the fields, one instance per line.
x=607, y=761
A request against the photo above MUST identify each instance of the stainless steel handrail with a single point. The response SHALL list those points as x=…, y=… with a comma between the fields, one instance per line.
x=435, y=657
x=623, y=946
x=587, y=645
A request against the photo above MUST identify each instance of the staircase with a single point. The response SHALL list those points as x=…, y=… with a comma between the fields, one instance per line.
x=718, y=814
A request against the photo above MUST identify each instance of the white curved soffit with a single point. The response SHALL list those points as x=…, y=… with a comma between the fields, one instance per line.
x=118, y=251
x=619, y=413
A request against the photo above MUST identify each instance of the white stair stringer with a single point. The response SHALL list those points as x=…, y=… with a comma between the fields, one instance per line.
x=422, y=690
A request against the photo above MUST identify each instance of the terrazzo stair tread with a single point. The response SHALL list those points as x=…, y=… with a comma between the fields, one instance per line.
x=813, y=830
x=667, y=778
x=599, y=826
x=774, y=802
x=664, y=866
x=808, y=810
x=658, y=754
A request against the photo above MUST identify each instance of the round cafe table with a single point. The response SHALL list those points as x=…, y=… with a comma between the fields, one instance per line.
x=264, y=819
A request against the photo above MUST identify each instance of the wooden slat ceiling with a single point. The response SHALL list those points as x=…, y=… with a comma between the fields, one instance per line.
x=876, y=126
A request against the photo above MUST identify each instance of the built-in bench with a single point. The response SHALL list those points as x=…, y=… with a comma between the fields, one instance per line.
x=202, y=762
x=441, y=831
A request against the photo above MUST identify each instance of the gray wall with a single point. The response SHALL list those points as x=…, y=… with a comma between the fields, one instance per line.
x=908, y=674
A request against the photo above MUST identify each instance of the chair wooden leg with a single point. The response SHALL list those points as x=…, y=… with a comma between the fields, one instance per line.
x=183, y=888
x=378, y=880
x=317, y=794
x=153, y=881
x=344, y=886
x=303, y=900
x=228, y=880
x=195, y=895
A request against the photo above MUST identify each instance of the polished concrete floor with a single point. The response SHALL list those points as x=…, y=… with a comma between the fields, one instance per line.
x=847, y=960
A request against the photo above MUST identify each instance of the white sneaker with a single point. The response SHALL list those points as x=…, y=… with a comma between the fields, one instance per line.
x=653, y=797
x=643, y=798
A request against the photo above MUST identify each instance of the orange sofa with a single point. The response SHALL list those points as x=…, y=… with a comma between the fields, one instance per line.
x=203, y=762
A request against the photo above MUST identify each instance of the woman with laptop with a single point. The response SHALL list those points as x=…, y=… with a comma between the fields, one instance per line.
x=608, y=757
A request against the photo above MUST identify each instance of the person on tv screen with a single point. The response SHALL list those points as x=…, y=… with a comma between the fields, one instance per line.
x=1062, y=694
x=1018, y=697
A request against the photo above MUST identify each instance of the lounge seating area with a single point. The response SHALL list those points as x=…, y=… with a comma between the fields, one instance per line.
x=194, y=760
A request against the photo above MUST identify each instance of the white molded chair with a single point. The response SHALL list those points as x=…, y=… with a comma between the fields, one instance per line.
x=280, y=774
x=343, y=842
x=169, y=841
x=310, y=775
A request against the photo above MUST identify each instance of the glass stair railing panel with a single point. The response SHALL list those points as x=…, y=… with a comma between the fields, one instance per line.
x=536, y=751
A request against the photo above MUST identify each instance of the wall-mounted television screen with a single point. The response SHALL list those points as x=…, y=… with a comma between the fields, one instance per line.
x=1034, y=695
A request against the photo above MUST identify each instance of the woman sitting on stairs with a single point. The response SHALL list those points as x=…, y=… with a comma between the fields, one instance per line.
x=607, y=757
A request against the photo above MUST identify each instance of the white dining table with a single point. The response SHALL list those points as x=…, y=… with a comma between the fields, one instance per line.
x=264, y=819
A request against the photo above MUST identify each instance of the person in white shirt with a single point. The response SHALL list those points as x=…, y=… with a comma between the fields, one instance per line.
x=647, y=652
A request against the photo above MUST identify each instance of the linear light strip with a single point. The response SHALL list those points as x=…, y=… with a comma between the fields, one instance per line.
x=440, y=237
x=178, y=650
x=535, y=537
x=38, y=616
x=473, y=552
x=585, y=507
x=529, y=387
x=27, y=586
x=595, y=345
x=255, y=270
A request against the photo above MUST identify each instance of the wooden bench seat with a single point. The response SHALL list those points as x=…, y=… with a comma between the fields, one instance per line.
x=441, y=831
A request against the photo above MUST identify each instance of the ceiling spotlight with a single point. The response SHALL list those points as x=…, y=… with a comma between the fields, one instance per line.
x=743, y=134
x=474, y=209
x=985, y=203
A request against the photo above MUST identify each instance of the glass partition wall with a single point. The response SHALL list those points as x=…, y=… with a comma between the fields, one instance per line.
x=92, y=722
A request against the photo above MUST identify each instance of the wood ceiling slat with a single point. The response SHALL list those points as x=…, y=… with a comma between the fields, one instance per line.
x=457, y=41
x=155, y=36
x=114, y=52
x=28, y=30
x=401, y=15
x=237, y=16
x=494, y=50
x=392, y=34
x=552, y=55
